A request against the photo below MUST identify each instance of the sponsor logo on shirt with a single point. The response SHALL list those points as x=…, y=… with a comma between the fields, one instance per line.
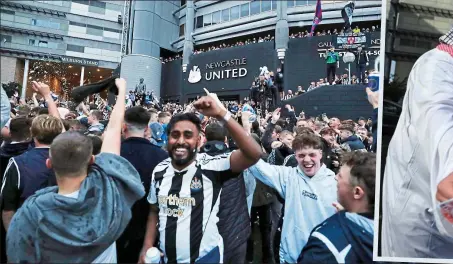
x=174, y=201
x=309, y=195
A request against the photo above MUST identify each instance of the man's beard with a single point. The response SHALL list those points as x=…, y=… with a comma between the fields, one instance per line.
x=184, y=161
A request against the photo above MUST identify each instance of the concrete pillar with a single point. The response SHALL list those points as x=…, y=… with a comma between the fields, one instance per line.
x=282, y=29
x=25, y=79
x=82, y=75
x=188, y=39
x=146, y=15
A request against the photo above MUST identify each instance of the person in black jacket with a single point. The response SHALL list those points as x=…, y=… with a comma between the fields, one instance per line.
x=348, y=138
x=20, y=136
x=347, y=237
x=362, y=61
x=279, y=81
x=234, y=221
x=144, y=156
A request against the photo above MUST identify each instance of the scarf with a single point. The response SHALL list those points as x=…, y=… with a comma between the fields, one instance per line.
x=446, y=42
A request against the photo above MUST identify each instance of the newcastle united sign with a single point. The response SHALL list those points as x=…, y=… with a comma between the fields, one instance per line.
x=226, y=69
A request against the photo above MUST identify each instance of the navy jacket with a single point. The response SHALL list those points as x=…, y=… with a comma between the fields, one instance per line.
x=234, y=219
x=342, y=238
x=354, y=143
x=144, y=157
x=26, y=174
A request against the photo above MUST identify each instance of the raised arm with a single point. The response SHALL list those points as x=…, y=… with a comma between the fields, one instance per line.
x=44, y=90
x=84, y=109
x=272, y=175
x=249, y=152
x=35, y=101
x=112, y=135
x=267, y=137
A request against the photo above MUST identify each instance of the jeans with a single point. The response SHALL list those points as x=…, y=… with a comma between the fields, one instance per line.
x=265, y=222
x=128, y=250
x=361, y=72
x=331, y=69
x=274, y=97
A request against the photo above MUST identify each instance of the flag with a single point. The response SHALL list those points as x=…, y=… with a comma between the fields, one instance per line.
x=346, y=13
x=318, y=17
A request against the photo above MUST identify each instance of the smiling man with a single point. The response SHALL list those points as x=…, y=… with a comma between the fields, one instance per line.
x=347, y=237
x=308, y=189
x=185, y=188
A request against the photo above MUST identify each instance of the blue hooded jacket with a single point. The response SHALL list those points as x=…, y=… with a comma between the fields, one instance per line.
x=50, y=227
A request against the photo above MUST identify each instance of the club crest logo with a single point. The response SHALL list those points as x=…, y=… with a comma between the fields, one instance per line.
x=195, y=184
x=194, y=75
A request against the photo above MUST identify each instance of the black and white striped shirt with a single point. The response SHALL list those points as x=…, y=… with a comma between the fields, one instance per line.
x=188, y=202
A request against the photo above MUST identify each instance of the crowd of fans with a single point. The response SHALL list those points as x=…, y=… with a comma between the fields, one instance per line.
x=301, y=34
x=83, y=186
x=356, y=30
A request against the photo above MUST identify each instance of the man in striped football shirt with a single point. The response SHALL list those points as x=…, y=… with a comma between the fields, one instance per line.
x=185, y=188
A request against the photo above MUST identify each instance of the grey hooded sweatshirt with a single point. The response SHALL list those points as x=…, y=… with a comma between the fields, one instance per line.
x=53, y=228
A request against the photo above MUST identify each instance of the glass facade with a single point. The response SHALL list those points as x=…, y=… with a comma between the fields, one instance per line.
x=236, y=12
x=45, y=23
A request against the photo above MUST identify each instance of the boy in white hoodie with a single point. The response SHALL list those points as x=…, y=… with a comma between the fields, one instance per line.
x=309, y=191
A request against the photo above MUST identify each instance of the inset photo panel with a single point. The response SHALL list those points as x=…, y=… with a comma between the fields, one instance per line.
x=414, y=196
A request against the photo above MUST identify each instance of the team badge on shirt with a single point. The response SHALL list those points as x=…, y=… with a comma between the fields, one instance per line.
x=195, y=184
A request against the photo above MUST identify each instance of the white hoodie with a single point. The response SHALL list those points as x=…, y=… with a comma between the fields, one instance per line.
x=420, y=155
x=308, y=202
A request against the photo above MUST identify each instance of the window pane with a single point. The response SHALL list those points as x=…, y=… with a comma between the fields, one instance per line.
x=42, y=44
x=75, y=48
x=94, y=31
x=31, y=42
x=112, y=30
x=33, y=22
x=199, y=23
x=254, y=7
x=181, y=30
x=77, y=24
x=245, y=10
x=301, y=2
x=95, y=27
x=216, y=17
x=83, y=2
x=311, y=2
x=97, y=3
x=5, y=38
x=265, y=5
x=207, y=20
x=274, y=5
x=225, y=15
x=290, y=3
x=4, y=11
x=52, y=45
x=234, y=12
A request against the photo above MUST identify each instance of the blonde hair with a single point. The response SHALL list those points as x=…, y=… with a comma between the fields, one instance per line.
x=45, y=128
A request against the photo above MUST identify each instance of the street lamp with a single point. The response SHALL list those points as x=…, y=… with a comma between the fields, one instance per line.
x=348, y=58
